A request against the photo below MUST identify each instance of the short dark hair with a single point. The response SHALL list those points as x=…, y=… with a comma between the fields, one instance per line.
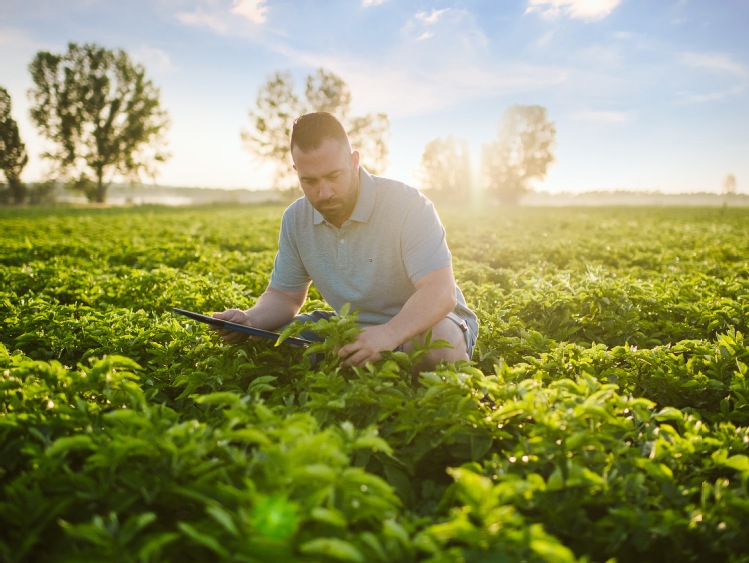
x=311, y=129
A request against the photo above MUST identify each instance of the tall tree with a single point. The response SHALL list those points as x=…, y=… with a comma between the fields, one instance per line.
x=278, y=105
x=446, y=167
x=521, y=154
x=103, y=116
x=729, y=188
x=729, y=185
x=13, y=157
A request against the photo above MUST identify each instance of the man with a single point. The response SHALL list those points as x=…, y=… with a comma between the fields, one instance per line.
x=368, y=241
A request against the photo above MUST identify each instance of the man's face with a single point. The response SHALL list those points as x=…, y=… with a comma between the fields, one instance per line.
x=329, y=176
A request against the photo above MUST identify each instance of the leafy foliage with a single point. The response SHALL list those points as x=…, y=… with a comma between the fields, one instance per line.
x=605, y=415
x=446, y=169
x=100, y=112
x=521, y=153
x=278, y=106
x=13, y=157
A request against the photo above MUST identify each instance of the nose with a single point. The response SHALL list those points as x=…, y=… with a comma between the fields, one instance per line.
x=325, y=190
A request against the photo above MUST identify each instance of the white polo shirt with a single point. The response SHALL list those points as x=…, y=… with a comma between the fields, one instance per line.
x=393, y=238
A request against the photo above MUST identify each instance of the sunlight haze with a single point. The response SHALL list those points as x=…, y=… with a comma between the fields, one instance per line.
x=646, y=95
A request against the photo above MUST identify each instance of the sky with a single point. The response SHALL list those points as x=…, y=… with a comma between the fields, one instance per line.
x=646, y=95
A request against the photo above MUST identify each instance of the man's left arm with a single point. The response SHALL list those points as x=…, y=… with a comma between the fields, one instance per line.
x=433, y=299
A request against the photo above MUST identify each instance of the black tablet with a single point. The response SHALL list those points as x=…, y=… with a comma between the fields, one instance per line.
x=292, y=340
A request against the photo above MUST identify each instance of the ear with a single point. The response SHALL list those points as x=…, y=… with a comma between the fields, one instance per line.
x=355, y=159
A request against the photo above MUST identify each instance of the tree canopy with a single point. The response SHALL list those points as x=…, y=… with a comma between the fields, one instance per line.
x=277, y=106
x=446, y=167
x=729, y=185
x=101, y=113
x=13, y=157
x=521, y=153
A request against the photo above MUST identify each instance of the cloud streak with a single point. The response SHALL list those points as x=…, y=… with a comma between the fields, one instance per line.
x=216, y=17
x=430, y=18
x=576, y=9
x=715, y=62
x=406, y=91
x=253, y=10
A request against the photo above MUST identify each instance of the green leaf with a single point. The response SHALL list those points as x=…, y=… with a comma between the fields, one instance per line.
x=739, y=462
x=669, y=413
x=226, y=398
x=333, y=548
x=203, y=539
x=223, y=517
x=249, y=435
x=64, y=445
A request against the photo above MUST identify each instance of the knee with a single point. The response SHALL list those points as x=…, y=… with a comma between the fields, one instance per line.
x=455, y=351
x=449, y=355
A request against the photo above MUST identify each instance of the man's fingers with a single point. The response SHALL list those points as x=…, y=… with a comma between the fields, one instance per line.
x=357, y=357
x=233, y=316
x=231, y=336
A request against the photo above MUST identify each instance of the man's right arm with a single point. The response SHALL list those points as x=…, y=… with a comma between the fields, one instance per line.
x=273, y=309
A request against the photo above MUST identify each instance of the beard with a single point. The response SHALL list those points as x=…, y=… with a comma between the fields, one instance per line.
x=338, y=208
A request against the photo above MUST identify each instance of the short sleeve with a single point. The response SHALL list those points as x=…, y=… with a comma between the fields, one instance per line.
x=289, y=273
x=423, y=240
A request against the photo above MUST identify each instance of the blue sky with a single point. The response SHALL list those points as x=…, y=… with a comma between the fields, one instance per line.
x=645, y=94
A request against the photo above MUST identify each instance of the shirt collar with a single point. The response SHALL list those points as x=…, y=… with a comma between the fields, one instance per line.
x=364, y=204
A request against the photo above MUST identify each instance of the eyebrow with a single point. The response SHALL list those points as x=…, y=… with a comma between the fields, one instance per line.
x=331, y=173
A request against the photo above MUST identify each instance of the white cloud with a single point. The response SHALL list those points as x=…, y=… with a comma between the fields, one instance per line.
x=201, y=18
x=431, y=18
x=253, y=10
x=576, y=9
x=715, y=62
x=214, y=15
x=403, y=89
x=459, y=37
x=716, y=96
x=413, y=76
x=719, y=64
x=368, y=3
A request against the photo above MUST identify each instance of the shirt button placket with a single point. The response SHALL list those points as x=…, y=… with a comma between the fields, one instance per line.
x=342, y=251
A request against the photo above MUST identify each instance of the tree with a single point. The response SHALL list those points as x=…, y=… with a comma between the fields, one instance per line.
x=729, y=188
x=446, y=167
x=13, y=157
x=521, y=154
x=278, y=106
x=102, y=115
x=729, y=185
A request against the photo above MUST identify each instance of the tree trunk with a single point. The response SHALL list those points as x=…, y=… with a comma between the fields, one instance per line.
x=101, y=190
x=17, y=189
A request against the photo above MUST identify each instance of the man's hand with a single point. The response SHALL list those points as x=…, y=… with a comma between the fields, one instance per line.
x=233, y=316
x=368, y=345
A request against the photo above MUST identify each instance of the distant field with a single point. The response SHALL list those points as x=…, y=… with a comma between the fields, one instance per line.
x=119, y=195
x=605, y=414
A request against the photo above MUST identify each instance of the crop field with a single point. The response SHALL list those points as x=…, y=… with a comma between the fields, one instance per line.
x=604, y=417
